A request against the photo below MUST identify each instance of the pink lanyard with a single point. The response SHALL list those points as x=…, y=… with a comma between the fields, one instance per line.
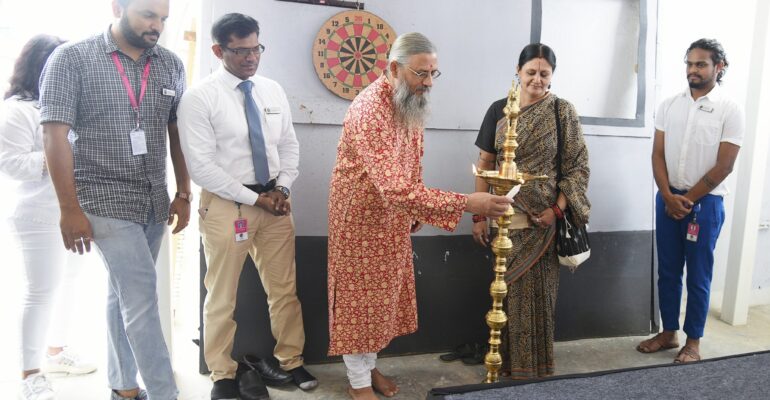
x=131, y=96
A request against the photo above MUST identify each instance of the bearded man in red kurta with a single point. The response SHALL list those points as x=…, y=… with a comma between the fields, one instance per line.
x=377, y=198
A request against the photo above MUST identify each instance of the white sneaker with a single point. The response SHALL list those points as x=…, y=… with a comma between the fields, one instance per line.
x=69, y=363
x=36, y=387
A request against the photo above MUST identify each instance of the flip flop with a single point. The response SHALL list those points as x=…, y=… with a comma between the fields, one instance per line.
x=687, y=351
x=648, y=346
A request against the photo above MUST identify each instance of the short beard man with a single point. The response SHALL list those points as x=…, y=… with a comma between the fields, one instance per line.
x=411, y=109
x=135, y=40
x=702, y=84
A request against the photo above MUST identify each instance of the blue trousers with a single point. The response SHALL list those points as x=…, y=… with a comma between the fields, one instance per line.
x=136, y=343
x=675, y=251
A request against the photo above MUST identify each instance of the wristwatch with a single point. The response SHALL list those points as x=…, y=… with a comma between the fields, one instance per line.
x=284, y=191
x=184, y=196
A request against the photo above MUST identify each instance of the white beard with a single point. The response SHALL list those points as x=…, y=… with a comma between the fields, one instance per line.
x=411, y=109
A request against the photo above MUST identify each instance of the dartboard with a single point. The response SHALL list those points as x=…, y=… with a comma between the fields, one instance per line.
x=351, y=51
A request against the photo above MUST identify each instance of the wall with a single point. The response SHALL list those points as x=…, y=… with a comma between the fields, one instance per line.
x=478, y=47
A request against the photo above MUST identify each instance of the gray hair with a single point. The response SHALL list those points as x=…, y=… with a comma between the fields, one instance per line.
x=409, y=44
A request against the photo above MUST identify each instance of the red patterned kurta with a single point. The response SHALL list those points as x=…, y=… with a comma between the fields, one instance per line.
x=376, y=194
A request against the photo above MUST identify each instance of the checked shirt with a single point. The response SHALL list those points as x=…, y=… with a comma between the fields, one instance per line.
x=81, y=87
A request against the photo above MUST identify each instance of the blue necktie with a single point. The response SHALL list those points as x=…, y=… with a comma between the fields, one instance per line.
x=256, y=138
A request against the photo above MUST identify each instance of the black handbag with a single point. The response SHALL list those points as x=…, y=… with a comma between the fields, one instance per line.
x=572, y=243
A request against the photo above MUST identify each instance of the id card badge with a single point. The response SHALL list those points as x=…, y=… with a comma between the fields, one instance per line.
x=138, y=142
x=692, y=231
x=693, y=228
x=241, y=230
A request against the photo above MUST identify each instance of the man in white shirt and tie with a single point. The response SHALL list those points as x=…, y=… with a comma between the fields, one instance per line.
x=240, y=147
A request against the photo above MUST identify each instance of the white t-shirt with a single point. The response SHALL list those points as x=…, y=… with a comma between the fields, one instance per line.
x=693, y=131
x=21, y=158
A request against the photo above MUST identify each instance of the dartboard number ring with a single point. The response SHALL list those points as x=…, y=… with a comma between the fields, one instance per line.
x=351, y=51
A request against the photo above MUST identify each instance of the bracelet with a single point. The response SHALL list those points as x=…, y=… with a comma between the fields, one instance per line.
x=479, y=218
x=557, y=211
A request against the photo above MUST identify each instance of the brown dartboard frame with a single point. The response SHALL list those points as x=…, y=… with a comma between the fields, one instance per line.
x=351, y=51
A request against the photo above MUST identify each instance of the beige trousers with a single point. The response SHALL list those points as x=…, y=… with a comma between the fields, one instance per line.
x=270, y=244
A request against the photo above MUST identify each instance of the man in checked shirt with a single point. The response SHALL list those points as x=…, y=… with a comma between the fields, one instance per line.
x=107, y=103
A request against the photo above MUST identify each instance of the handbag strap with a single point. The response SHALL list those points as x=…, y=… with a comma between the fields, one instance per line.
x=559, y=142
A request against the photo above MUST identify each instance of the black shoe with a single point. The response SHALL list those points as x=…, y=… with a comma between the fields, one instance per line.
x=461, y=351
x=303, y=379
x=224, y=389
x=478, y=355
x=251, y=387
x=271, y=374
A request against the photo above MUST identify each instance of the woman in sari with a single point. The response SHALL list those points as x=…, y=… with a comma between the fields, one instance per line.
x=533, y=268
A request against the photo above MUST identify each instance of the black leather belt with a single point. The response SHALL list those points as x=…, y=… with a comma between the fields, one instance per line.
x=259, y=188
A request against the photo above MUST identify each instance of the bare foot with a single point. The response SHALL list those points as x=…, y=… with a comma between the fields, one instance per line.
x=362, y=394
x=662, y=341
x=383, y=385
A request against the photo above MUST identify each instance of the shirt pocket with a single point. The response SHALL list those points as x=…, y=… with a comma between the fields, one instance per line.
x=163, y=102
x=273, y=124
x=708, y=132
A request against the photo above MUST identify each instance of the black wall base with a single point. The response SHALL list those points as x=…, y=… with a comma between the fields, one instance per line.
x=610, y=295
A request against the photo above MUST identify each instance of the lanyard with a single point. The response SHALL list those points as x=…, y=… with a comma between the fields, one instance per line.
x=131, y=96
x=695, y=211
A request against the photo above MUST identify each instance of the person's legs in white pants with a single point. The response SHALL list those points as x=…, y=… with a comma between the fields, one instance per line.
x=60, y=358
x=359, y=369
x=44, y=257
x=365, y=378
x=58, y=332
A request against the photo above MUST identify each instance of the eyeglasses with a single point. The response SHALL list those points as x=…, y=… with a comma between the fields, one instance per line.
x=242, y=52
x=424, y=74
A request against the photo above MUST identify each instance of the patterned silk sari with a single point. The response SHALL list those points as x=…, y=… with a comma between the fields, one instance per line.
x=533, y=268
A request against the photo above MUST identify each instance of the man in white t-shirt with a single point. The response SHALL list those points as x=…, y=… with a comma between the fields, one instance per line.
x=697, y=137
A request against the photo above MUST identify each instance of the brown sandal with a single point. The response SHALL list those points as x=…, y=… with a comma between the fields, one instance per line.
x=686, y=355
x=654, y=344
